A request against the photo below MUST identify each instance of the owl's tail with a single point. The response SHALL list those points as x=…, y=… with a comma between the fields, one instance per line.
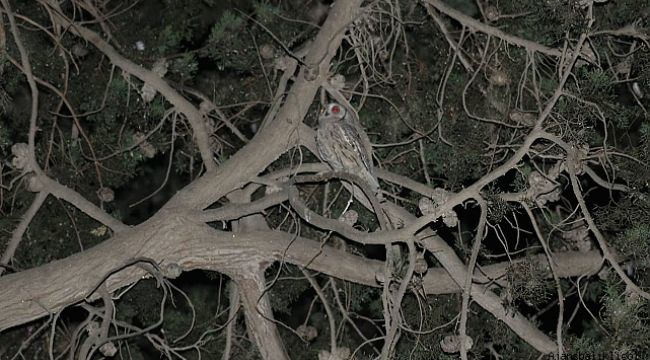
x=372, y=182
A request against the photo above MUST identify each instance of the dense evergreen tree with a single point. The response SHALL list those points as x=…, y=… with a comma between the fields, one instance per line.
x=162, y=195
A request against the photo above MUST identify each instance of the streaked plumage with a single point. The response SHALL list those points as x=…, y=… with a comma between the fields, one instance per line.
x=343, y=145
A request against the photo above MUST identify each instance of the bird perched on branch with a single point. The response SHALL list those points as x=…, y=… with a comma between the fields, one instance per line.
x=343, y=144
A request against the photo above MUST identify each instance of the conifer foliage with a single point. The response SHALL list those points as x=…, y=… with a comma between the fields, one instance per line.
x=162, y=195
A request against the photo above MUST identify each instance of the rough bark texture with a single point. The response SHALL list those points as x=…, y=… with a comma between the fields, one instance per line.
x=259, y=315
x=178, y=233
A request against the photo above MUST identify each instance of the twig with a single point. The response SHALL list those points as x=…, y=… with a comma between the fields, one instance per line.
x=326, y=306
x=149, y=77
x=602, y=243
x=467, y=288
x=19, y=231
x=558, y=285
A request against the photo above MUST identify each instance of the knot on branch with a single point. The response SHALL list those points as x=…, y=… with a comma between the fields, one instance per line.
x=172, y=270
x=79, y=50
x=149, y=92
x=267, y=52
x=349, y=217
x=20, y=161
x=307, y=332
x=147, y=148
x=499, y=78
x=337, y=82
x=311, y=73
x=492, y=13
x=206, y=107
x=543, y=188
x=523, y=118
x=341, y=353
x=94, y=329
x=109, y=349
x=285, y=63
x=430, y=206
x=273, y=188
x=451, y=343
x=34, y=184
x=421, y=265
x=106, y=194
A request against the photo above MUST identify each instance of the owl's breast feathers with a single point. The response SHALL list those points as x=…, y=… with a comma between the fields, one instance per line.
x=326, y=149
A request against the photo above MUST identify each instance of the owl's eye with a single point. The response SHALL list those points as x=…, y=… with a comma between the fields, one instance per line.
x=336, y=109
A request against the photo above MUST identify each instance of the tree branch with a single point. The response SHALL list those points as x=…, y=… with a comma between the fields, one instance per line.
x=37, y=292
x=257, y=309
x=281, y=134
x=19, y=231
x=193, y=115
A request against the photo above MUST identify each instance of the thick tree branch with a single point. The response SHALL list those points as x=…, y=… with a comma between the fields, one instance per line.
x=235, y=211
x=259, y=315
x=281, y=134
x=251, y=284
x=34, y=293
x=146, y=241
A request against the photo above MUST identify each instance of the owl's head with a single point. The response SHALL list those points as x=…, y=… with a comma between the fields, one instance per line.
x=334, y=111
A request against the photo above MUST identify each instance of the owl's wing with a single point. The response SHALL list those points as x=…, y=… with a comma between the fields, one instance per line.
x=350, y=135
x=361, y=151
x=352, y=119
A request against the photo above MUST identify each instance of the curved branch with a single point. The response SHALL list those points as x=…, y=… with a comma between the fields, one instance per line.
x=489, y=301
x=467, y=286
x=257, y=309
x=37, y=292
x=235, y=211
x=282, y=132
x=602, y=243
x=18, y=233
x=487, y=29
x=27, y=70
x=193, y=115
x=63, y=192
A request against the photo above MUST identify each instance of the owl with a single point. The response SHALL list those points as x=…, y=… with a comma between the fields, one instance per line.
x=343, y=144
